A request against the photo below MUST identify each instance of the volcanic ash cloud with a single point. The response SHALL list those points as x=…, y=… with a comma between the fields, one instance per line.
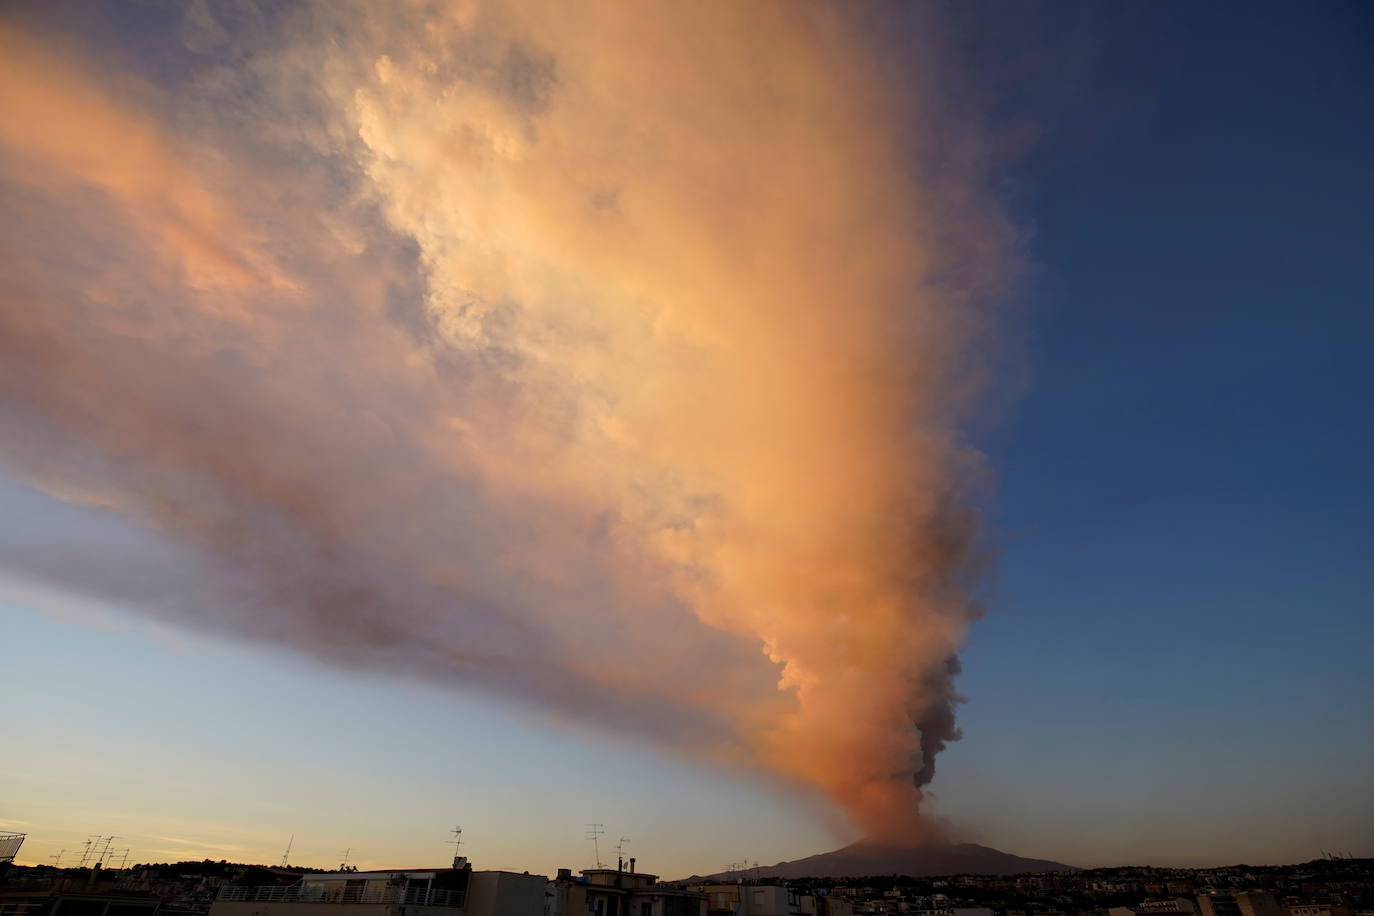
x=608, y=357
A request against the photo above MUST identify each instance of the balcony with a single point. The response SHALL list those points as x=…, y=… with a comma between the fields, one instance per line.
x=406, y=895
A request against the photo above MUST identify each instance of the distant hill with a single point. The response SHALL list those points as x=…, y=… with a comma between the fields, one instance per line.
x=865, y=858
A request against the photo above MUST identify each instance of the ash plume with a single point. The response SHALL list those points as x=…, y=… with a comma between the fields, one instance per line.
x=607, y=357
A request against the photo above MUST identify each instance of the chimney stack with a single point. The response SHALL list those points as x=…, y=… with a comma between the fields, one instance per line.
x=632, y=865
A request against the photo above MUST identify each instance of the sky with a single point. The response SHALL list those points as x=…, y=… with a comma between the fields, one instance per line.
x=1161, y=209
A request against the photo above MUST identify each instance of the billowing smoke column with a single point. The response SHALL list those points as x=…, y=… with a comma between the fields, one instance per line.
x=605, y=356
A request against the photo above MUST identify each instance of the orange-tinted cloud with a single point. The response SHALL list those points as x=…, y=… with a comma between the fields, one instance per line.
x=64, y=124
x=622, y=374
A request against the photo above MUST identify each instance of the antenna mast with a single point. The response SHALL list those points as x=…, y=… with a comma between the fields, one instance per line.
x=95, y=849
x=86, y=849
x=594, y=832
x=456, y=843
x=286, y=856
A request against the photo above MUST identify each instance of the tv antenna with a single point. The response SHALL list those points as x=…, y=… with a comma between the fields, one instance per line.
x=95, y=849
x=286, y=856
x=346, y=853
x=57, y=859
x=456, y=843
x=594, y=832
x=89, y=848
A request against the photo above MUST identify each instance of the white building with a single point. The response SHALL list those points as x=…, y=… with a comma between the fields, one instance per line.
x=456, y=891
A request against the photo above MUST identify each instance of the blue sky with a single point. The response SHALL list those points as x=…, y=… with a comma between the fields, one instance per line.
x=1174, y=666
x=1181, y=625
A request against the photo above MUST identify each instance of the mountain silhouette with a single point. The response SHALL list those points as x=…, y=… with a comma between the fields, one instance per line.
x=869, y=858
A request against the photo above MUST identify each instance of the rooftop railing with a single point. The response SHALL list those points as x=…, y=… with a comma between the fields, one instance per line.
x=408, y=895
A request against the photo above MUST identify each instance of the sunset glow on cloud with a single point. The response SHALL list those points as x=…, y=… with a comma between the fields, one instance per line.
x=609, y=357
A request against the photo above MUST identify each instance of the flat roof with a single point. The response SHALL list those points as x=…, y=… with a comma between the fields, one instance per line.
x=379, y=873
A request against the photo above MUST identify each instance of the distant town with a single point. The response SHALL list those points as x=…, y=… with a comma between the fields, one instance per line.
x=1331, y=886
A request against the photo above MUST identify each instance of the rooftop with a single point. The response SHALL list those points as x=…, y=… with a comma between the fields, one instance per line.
x=368, y=892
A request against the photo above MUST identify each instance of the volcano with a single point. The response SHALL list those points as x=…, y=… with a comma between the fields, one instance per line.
x=869, y=858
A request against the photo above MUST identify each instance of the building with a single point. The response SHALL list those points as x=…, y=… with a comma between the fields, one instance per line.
x=825, y=905
x=770, y=900
x=90, y=893
x=618, y=892
x=456, y=891
x=1243, y=903
x=1217, y=904
x=1176, y=906
x=76, y=903
x=1258, y=903
x=505, y=893
x=403, y=892
x=1319, y=909
x=750, y=900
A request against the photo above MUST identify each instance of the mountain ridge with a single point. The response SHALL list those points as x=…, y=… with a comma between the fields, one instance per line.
x=868, y=858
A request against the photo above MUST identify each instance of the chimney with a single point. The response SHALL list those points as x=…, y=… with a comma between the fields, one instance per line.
x=619, y=863
x=632, y=865
x=565, y=874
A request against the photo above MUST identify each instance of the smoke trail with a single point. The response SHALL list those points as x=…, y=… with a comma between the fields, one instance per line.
x=609, y=357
